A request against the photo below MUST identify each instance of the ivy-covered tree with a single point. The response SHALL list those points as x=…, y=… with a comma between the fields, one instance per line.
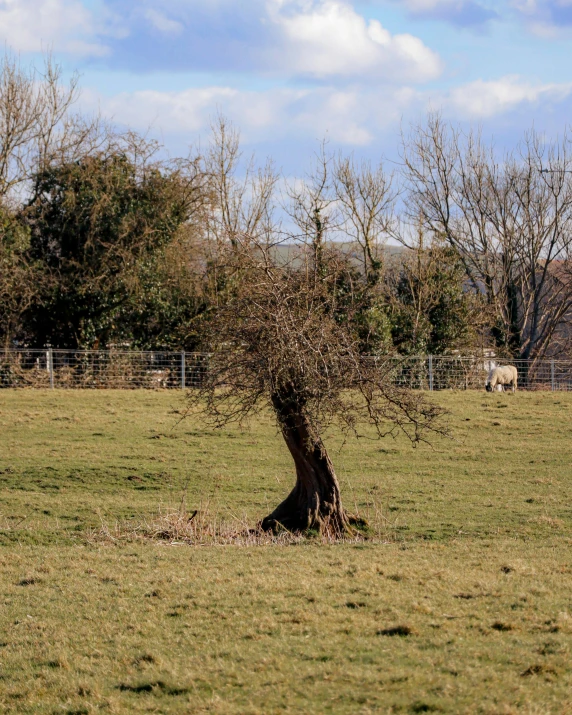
x=171, y=298
x=100, y=228
x=19, y=277
x=433, y=308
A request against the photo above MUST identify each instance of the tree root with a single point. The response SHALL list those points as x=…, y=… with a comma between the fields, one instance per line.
x=337, y=526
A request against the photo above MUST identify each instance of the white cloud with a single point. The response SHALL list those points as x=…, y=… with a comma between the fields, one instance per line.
x=162, y=23
x=352, y=116
x=485, y=99
x=315, y=38
x=347, y=116
x=546, y=18
x=328, y=37
x=171, y=112
x=528, y=7
x=189, y=112
x=458, y=12
x=428, y=5
x=34, y=25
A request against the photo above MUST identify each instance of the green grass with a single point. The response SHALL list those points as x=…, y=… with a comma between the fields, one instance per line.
x=461, y=604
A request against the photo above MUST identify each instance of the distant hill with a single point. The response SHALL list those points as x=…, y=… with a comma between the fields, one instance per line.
x=286, y=252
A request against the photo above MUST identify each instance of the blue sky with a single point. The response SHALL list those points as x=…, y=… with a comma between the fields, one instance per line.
x=290, y=72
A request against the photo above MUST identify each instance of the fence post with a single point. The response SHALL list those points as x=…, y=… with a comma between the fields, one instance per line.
x=183, y=370
x=430, y=373
x=552, y=383
x=51, y=367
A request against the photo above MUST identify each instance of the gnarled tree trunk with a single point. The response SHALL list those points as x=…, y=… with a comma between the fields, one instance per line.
x=315, y=501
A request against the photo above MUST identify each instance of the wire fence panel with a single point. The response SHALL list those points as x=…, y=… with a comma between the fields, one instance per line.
x=553, y=375
x=129, y=369
x=410, y=372
x=111, y=369
x=439, y=372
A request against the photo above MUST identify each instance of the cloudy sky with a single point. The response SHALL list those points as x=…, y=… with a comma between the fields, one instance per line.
x=290, y=72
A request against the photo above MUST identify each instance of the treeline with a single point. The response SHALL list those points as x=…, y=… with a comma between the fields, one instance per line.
x=104, y=242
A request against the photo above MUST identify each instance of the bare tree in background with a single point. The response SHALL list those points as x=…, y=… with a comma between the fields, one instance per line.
x=37, y=125
x=277, y=343
x=366, y=199
x=312, y=206
x=510, y=221
x=240, y=204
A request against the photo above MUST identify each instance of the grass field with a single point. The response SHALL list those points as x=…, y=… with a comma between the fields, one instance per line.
x=461, y=603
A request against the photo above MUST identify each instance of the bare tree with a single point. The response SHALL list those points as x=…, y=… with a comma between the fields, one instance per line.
x=240, y=194
x=366, y=198
x=312, y=206
x=510, y=221
x=36, y=122
x=277, y=342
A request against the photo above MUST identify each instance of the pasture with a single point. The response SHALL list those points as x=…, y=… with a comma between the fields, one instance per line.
x=458, y=602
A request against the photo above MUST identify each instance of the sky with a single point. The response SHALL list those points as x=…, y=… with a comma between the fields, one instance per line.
x=289, y=73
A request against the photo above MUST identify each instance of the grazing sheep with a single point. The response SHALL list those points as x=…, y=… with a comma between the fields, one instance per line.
x=506, y=376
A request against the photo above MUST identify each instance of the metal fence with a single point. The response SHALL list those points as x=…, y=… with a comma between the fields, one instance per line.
x=447, y=372
x=112, y=369
x=123, y=369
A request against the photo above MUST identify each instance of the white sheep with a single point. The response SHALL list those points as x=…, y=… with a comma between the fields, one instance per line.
x=502, y=377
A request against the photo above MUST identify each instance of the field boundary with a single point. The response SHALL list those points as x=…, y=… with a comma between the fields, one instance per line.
x=131, y=369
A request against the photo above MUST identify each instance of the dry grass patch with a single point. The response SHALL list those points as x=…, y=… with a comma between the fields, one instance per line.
x=203, y=528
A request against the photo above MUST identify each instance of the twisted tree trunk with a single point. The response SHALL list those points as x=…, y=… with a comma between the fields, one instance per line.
x=315, y=501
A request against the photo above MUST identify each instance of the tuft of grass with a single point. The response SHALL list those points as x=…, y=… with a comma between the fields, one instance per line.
x=422, y=707
x=30, y=581
x=500, y=626
x=533, y=670
x=401, y=630
x=146, y=658
x=157, y=686
x=58, y=663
